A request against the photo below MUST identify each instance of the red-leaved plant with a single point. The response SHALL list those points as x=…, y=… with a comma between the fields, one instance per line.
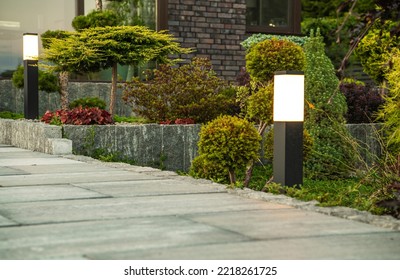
x=78, y=116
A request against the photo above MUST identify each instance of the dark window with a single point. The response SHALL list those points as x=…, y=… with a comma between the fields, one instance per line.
x=273, y=16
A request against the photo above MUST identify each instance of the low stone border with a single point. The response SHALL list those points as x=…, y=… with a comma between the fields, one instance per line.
x=34, y=136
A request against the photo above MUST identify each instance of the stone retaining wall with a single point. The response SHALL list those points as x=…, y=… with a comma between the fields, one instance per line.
x=171, y=147
x=12, y=99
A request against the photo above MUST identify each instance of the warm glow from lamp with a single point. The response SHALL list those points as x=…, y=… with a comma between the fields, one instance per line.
x=30, y=46
x=289, y=96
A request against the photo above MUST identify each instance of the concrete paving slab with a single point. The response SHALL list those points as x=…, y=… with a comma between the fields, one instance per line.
x=382, y=246
x=45, y=193
x=9, y=149
x=61, y=168
x=113, y=208
x=5, y=171
x=112, y=175
x=6, y=222
x=76, y=240
x=149, y=187
x=23, y=155
x=261, y=224
x=36, y=161
x=67, y=209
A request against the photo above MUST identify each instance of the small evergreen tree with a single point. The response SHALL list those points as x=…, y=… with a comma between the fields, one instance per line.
x=330, y=157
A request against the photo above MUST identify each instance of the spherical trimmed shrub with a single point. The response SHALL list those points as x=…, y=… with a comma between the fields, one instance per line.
x=273, y=55
x=227, y=143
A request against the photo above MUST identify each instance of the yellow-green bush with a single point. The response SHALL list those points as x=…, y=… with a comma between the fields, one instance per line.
x=226, y=144
x=273, y=55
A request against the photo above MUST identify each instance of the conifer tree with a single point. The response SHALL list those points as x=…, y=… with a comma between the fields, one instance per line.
x=330, y=157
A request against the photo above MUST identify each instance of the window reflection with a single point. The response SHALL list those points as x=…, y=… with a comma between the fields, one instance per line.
x=271, y=13
x=34, y=17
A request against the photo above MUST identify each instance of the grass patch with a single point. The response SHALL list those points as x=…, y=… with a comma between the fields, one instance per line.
x=122, y=119
x=351, y=193
x=10, y=115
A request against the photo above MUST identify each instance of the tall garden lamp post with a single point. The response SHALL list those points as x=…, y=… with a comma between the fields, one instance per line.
x=288, y=128
x=31, y=75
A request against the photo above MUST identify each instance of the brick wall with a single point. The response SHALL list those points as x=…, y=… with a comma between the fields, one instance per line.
x=214, y=28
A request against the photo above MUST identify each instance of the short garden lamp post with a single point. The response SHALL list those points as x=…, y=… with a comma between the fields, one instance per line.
x=31, y=75
x=288, y=128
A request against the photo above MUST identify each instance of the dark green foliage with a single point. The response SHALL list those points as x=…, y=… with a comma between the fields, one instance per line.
x=88, y=102
x=10, y=115
x=189, y=91
x=273, y=55
x=18, y=77
x=95, y=19
x=336, y=44
x=331, y=156
x=48, y=82
x=362, y=100
x=226, y=144
x=7, y=74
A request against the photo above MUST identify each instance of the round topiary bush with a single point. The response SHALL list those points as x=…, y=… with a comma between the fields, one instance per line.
x=227, y=143
x=273, y=55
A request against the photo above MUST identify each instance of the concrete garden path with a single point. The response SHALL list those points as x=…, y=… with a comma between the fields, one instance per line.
x=55, y=207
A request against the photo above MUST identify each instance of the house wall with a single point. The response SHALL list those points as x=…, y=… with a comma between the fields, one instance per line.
x=214, y=28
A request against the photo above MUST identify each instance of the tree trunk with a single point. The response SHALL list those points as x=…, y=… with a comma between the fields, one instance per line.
x=64, y=77
x=113, y=87
x=232, y=177
x=99, y=5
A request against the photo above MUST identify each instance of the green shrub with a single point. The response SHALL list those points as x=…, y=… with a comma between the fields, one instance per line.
x=88, y=102
x=375, y=49
x=273, y=55
x=331, y=156
x=203, y=167
x=260, y=104
x=226, y=144
x=258, y=38
x=389, y=113
x=191, y=91
x=95, y=19
x=48, y=82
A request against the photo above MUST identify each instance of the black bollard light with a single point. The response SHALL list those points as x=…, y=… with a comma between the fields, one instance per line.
x=31, y=75
x=288, y=128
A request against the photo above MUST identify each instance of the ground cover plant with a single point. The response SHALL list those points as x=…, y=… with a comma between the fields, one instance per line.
x=78, y=116
x=10, y=115
x=354, y=192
